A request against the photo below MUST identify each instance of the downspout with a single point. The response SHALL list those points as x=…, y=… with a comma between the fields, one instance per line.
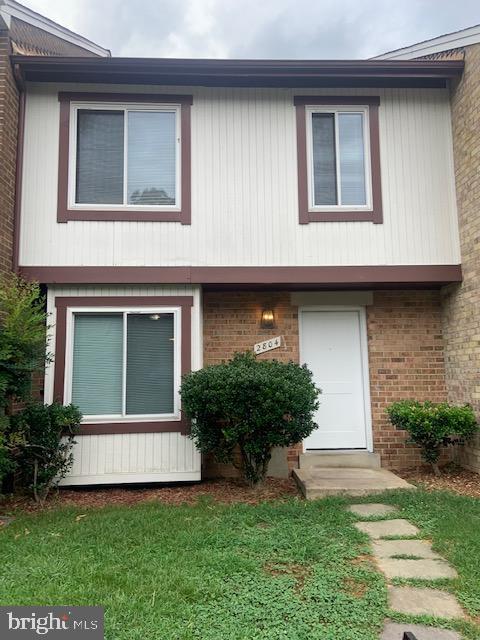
x=19, y=80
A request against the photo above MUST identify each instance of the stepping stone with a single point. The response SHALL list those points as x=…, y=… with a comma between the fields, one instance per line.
x=395, y=631
x=389, y=548
x=384, y=528
x=366, y=510
x=417, y=601
x=422, y=569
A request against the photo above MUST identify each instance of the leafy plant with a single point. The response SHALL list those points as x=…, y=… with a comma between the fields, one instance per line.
x=22, y=337
x=41, y=439
x=250, y=404
x=432, y=426
x=6, y=464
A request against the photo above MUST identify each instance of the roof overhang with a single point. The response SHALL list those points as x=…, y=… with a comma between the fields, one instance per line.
x=239, y=73
x=446, y=42
x=11, y=9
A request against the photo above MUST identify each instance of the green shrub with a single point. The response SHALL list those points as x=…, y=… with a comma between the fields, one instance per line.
x=40, y=438
x=22, y=337
x=249, y=403
x=6, y=464
x=432, y=426
x=22, y=351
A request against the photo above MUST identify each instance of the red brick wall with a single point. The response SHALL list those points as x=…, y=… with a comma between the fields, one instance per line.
x=405, y=353
x=231, y=323
x=406, y=360
x=8, y=154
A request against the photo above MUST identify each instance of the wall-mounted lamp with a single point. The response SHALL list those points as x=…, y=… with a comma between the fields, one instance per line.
x=268, y=319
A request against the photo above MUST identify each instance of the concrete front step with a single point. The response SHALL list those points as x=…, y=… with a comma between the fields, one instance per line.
x=319, y=482
x=340, y=459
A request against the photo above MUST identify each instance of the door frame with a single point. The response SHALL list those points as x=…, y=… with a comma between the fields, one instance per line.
x=362, y=315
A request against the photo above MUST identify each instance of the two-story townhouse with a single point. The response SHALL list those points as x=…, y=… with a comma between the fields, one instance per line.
x=461, y=301
x=23, y=31
x=181, y=210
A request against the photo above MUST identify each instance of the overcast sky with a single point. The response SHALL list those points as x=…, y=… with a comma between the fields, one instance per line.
x=258, y=28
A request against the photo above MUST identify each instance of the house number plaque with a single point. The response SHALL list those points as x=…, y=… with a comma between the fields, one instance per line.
x=267, y=345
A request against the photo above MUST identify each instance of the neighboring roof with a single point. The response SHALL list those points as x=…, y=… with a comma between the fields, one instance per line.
x=454, y=40
x=259, y=73
x=10, y=9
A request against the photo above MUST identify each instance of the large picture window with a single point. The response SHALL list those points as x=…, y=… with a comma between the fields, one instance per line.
x=124, y=364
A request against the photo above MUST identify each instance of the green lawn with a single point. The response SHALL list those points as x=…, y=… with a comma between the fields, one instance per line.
x=213, y=572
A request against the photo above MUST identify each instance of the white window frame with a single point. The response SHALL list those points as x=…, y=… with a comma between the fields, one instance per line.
x=125, y=107
x=335, y=110
x=177, y=337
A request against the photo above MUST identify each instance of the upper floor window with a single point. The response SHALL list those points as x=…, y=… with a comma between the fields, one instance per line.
x=124, y=157
x=338, y=159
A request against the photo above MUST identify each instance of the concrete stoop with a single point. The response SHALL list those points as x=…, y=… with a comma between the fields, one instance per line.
x=339, y=459
x=319, y=482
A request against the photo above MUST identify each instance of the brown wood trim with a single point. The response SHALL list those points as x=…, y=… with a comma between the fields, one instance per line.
x=336, y=100
x=61, y=303
x=117, y=301
x=18, y=180
x=110, y=275
x=305, y=214
x=313, y=275
x=105, y=428
x=182, y=215
x=160, y=98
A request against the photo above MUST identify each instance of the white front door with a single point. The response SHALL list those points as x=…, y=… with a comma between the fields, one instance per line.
x=333, y=345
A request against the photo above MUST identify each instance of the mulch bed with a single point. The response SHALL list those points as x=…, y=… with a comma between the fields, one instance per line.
x=222, y=491
x=453, y=478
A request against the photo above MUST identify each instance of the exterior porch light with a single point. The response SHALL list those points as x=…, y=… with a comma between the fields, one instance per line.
x=268, y=319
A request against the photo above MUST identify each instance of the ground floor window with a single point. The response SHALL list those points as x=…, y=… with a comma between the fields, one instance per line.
x=124, y=364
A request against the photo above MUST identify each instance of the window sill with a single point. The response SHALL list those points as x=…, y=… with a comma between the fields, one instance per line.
x=160, y=426
x=341, y=216
x=126, y=215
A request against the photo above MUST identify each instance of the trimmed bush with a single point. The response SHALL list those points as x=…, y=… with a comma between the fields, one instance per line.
x=249, y=403
x=432, y=426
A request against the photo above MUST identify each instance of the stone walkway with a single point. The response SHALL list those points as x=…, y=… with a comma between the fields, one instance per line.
x=409, y=558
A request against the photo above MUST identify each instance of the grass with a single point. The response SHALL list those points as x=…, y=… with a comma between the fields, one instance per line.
x=452, y=523
x=209, y=572
x=289, y=569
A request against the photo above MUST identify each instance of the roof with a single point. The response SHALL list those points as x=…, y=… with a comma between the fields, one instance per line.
x=242, y=73
x=445, y=42
x=10, y=9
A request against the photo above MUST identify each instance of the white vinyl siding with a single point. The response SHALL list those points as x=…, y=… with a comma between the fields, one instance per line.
x=245, y=192
x=130, y=457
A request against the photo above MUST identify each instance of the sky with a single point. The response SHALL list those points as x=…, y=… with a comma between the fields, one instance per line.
x=301, y=29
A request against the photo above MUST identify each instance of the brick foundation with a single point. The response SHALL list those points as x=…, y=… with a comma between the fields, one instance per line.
x=405, y=354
